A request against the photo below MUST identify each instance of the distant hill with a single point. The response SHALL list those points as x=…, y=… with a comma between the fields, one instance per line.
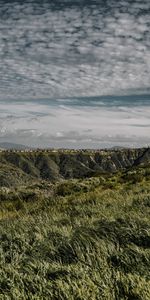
x=6, y=145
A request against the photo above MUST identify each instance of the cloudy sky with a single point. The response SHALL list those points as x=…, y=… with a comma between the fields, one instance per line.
x=54, y=52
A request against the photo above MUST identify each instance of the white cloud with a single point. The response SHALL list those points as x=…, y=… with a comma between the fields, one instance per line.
x=70, y=52
x=77, y=126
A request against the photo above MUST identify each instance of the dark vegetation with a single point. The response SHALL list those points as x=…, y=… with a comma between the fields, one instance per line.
x=67, y=232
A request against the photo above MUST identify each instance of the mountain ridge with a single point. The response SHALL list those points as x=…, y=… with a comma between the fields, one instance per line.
x=56, y=165
x=7, y=146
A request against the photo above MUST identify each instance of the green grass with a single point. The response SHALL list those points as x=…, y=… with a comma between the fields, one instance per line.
x=77, y=239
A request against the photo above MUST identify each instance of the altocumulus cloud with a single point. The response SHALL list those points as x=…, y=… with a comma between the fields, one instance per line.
x=64, y=49
x=93, y=49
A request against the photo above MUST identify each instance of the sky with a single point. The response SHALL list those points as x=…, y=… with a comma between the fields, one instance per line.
x=57, y=56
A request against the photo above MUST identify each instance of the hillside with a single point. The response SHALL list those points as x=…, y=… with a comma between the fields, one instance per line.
x=57, y=165
x=75, y=225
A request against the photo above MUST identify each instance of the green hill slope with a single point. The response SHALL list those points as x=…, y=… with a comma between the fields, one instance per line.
x=75, y=238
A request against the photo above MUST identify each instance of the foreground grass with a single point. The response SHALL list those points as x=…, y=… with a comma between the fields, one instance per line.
x=79, y=239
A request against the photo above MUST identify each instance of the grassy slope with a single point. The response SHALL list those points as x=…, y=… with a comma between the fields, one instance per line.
x=78, y=239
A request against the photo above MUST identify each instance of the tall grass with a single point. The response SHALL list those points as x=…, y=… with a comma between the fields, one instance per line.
x=76, y=240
